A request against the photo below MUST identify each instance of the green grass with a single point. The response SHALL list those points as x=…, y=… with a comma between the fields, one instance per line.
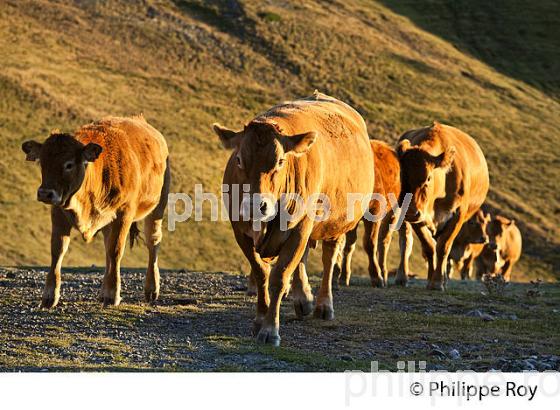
x=186, y=64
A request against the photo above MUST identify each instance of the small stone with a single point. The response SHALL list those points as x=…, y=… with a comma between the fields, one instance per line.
x=454, y=354
x=11, y=275
x=512, y=317
x=438, y=353
x=347, y=358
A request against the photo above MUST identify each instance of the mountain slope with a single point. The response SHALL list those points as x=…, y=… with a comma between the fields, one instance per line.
x=186, y=64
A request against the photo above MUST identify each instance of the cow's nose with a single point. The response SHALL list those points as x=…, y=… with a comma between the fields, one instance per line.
x=47, y=196
x=263, y=207
x=493, y=246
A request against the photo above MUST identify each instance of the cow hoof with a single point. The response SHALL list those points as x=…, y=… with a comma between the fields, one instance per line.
x=50, y=298
x=269, y=335
x=378, y=283
x=151, y=295
x=303, y=308
x=251, y=292
x=257, y=325
x=401, y=282
x=111, y=301
x=435, y=286
x=334, y=285
x=324, y=312
x=49, y=302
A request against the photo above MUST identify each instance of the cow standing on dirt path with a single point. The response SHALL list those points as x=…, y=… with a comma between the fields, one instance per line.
x=107, y=176
x=446, y=172
x=315, y=145
x=377, y=234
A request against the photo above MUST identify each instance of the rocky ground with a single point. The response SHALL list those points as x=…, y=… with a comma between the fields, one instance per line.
x=203, y=323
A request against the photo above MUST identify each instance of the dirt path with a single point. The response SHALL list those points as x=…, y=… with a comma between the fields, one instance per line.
x=203, y=323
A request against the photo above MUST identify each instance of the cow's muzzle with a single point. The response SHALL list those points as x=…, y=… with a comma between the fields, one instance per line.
x=49, y=196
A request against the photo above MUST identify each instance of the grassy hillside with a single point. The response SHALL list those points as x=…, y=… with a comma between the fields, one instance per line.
x=186, y=64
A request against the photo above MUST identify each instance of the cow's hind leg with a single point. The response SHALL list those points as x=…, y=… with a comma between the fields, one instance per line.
x=324, y=308
x=347, y=246
x=385, y=235
x=405, y=247
x=370, y=242
x=60, y=239
x=153, y=235
x=302, y=294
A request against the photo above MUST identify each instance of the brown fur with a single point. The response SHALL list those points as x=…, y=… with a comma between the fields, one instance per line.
x=377, y=235
x=446, y=172
x=503, y=250
x=469, y=244
x=125, y=180
x=292, y=148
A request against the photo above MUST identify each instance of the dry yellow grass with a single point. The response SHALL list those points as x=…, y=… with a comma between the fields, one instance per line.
x=186, y=64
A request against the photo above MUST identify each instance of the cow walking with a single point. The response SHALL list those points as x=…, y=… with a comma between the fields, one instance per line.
x=446, y=172
x=310, y=146
x=377, y=233
x=107, y=176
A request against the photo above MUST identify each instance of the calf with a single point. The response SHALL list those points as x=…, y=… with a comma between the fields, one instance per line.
x=468, y=244
x=503, y=250
x=445, y=171
x=293, y=149
x=106, y=177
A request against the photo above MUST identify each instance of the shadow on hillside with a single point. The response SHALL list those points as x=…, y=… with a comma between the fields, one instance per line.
x=517, y=38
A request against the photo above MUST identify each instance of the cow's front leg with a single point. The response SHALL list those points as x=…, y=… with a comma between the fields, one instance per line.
x=260, y=272
x=60, y=239
x=288, y=259
x=302, y=294
x=324, y=308
x=443, y=247
x=111, y=290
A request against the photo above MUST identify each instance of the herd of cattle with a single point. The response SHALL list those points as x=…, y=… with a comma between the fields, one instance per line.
x=115, y=172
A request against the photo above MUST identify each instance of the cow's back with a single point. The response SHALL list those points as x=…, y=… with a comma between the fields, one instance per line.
x=131, y=166
x=338, y=163
x=387, y=169
x=468, y=177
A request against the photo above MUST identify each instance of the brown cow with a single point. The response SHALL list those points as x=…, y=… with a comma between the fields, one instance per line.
x=445, y=171
x=377, y=234
x=503, y=250
x=106, y=176
x=292, y=149
x=468, y=244
x=234, y=178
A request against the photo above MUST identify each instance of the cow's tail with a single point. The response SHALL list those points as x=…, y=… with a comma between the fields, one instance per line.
x=134, y=234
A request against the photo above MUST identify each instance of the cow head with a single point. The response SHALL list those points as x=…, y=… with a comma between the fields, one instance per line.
x=491, y=258
x=497, y=228
x=265, y=156
x=63, y=161
x=474, y=230
x=417, y=176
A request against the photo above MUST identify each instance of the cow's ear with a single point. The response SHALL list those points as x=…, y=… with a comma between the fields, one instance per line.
x=229, y=138
x=32, y=150
x=403, y=146
x=91, y=152
x=445, y=159
x=298, y=144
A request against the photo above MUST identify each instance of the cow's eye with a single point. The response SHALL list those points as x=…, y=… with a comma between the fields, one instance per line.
x=429, y=178
x=68, y=166
x=281, y=162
